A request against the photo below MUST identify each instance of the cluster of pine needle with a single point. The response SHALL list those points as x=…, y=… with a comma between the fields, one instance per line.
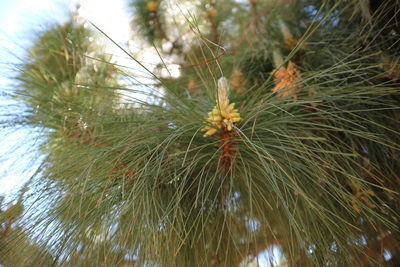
x=147, y=168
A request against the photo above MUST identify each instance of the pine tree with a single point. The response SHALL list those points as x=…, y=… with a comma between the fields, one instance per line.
x=281, y=132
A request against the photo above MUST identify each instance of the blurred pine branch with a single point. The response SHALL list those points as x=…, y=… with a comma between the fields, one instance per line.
x=310, y=166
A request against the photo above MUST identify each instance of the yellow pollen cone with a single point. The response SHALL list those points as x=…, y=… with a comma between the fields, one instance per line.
x=224, y=114
x=152, y=6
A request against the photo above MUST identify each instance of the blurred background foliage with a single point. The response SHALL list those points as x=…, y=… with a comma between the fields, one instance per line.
x=308, y=177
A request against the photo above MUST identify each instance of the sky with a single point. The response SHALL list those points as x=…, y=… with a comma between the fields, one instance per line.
x=16, y=17
x=19, y=19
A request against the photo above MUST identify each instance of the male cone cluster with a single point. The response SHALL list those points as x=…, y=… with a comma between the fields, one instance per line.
x=221, y=122
x=224, y=115
x=287, y=81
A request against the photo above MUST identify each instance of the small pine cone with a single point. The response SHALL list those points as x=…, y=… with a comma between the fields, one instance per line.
x=211, y=14
x=152, y=6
